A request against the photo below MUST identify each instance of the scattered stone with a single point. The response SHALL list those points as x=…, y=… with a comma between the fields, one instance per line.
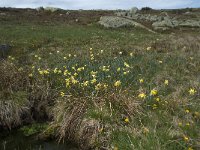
x=2, y=14
x=134, y=10
x=68, y=13
x=4, y=49
x=190, y=23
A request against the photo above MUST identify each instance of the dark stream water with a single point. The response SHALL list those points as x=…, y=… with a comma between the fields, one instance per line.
x=16, y=140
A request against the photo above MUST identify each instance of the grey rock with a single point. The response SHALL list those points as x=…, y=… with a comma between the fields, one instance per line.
x=190, y=23
x=121, y=14
x=2, y=14
x=51, y=9
x=134, y=10
x=4, y=50
x=164, y=24
x=117, y=22
x=68, y=13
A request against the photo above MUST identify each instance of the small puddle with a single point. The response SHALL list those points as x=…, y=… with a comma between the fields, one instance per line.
x=16, y=140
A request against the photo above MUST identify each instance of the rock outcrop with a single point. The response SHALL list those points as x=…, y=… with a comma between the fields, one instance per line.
x=160, y=21
x=117, y=22
x=163, y=25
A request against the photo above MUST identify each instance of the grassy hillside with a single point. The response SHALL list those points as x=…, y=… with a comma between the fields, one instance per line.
x=101, y=88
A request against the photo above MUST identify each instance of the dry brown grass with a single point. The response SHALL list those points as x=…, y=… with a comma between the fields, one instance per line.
x=13, y=95
x=73, y=122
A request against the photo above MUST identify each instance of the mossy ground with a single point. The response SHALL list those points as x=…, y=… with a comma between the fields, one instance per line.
x=107, y=88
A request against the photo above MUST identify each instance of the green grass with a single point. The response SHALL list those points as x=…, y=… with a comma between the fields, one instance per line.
x=152, y=124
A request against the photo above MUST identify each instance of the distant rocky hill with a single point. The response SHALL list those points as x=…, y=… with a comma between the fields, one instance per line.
x=164, y=19
x=147, y=18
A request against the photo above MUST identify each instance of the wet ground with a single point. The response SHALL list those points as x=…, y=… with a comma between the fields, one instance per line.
x=16, y=140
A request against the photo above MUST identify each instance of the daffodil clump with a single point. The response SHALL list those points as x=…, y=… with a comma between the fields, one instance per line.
x=120, y=85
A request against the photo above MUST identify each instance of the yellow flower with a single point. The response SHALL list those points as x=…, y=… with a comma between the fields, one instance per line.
x=187, y=111
x=117, y=83
x=93, y=80
x=93, y=73
x=145, y=130
x=90, y=49
x=62, y=94
x=65, y=72
x=20, y=69
x=30, y=75
x=101, y=51
x=98, y=86
x=120, y=53
x=197, y=114
x=75, y=74
x=80, y=69
x=154, y=92
x=126, y=120
x=166, y=82
x=160, y=61
x=142, y=95
x=180, y=124
x=105, y=68
x=116, y=148
x=85, y=83
x=101, y=129
x=126, y=64
x=73, y=80
x=67, y=82
x=55, y=70
x=118, y=69
x=148, y=48
x=131, y=54
x=105, y=86
x=154, y=106
x=190, y=148
x=157, y=99
x=70, y=55
x=141, y=80
x=41, y=72
x=187, y=124
x=59, y=71
x=65, y=58
x=192, y=91
x=46, y=71
x=186, y=138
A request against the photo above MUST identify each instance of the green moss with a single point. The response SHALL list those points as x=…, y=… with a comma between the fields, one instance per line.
x=34, y=129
